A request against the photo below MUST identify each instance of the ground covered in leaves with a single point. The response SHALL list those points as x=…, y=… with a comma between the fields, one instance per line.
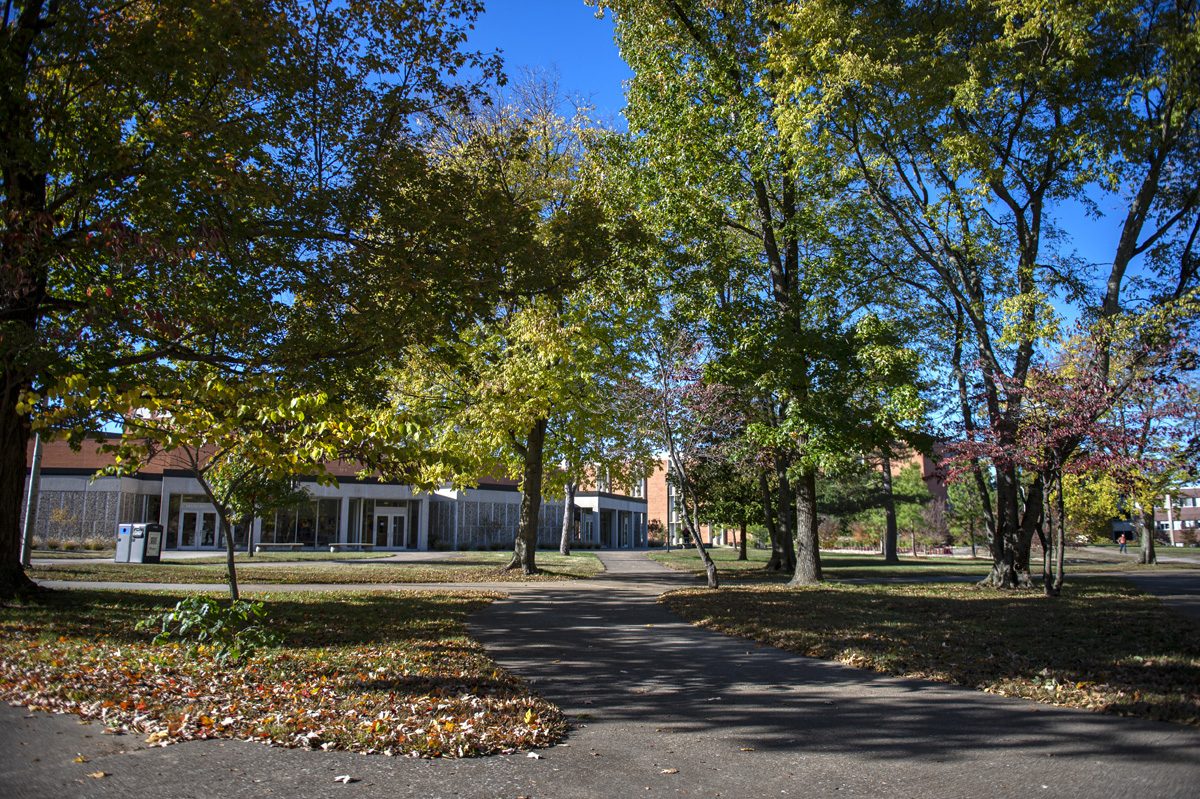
x=474, y=567
x=1102, y=645
x=393, y=673
x=850, y=566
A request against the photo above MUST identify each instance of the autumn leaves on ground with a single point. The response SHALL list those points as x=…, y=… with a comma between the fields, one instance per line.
x=391, y=673
x=1103, y=645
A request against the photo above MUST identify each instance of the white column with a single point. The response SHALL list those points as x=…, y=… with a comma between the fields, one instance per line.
x=344, y=521
x=423, y=524
x=1170, y=520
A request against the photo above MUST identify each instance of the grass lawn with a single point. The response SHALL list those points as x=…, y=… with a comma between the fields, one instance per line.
x=73, y=554
x=392, y=673
x=843, y=565
x=475, y=567
x=284, y=557
x=1102, y=645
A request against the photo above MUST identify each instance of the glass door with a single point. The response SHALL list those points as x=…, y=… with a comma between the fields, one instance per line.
x=198, y=527
x=389, y=528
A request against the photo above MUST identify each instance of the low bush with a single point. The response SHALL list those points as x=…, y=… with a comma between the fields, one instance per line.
x=53, y=543
x=233, y=633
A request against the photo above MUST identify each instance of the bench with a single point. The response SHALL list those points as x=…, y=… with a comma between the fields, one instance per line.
x=271, y=547
x=363, y=547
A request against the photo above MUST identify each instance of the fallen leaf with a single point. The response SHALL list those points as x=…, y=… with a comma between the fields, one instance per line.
x=345, y=779
x=534, y=755
x=82, y=759
x=98, y=774
x=747, y=749
x=669, y=771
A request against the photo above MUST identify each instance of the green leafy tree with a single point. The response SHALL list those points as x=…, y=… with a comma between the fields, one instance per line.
x=159, y=201
x=545, y=379
x=968, y=127
x=754, y=241
x=244, y=440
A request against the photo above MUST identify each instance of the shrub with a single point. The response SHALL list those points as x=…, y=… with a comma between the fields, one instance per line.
x=233, y=634
x=95, y=544
x=53, y=543
x=70, y=546
x=38, y=542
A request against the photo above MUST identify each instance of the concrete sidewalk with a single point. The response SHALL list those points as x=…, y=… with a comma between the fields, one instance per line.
x=663, y=709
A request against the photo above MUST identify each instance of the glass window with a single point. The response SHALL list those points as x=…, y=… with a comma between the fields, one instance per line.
x=306, y=524
x=328, y=517
x=172, y=541
x=414, y=513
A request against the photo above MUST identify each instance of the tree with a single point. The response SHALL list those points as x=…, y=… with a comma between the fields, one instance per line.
x=753, y=241
x=966, y=126
x=728, y=495
x=160, y=200
x=684, y=410
x=965, y=511
x=244, y=440
x=545, y=379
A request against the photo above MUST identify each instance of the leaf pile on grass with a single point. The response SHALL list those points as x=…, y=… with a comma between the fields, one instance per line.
x=477, y=567
x=1102, y=645
x=377, y=673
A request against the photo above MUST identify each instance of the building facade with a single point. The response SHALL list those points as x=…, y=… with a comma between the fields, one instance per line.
x=1178, y=521
x=76, y=505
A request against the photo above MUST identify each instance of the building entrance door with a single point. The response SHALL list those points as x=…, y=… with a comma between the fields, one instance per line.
x=198, y=527
x=390, y=528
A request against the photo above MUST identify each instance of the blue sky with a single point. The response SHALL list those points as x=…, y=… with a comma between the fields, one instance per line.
x=557, y=33
x=564, y=34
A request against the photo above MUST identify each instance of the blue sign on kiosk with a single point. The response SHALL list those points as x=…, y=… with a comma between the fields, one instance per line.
x=138, y=543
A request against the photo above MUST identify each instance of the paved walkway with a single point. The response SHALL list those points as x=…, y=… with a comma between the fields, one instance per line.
x=664, y=709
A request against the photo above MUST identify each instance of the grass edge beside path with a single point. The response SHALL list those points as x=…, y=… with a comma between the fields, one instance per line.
x=475, y=567
x=1104, y=645
x=852, y=566
x=393, y=673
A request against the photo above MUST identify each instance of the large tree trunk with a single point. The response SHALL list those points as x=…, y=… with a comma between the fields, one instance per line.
x=564, y=546
x=891, y=543
x=1059, y=555
x=14, y=441
x=525, y=546
x=1148, y=555
x=742, y=553
x=1005, y=541
x=808, y=552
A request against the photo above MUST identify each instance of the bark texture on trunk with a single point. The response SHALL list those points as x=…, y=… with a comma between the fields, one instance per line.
x=891, y=544
x=14, y=441
x=564, y=546
x=525, y=546
x=808, y=547
x=742, y=553
x=1148, y=554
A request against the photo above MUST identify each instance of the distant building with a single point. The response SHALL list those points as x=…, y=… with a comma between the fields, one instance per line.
x=1179, y=518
